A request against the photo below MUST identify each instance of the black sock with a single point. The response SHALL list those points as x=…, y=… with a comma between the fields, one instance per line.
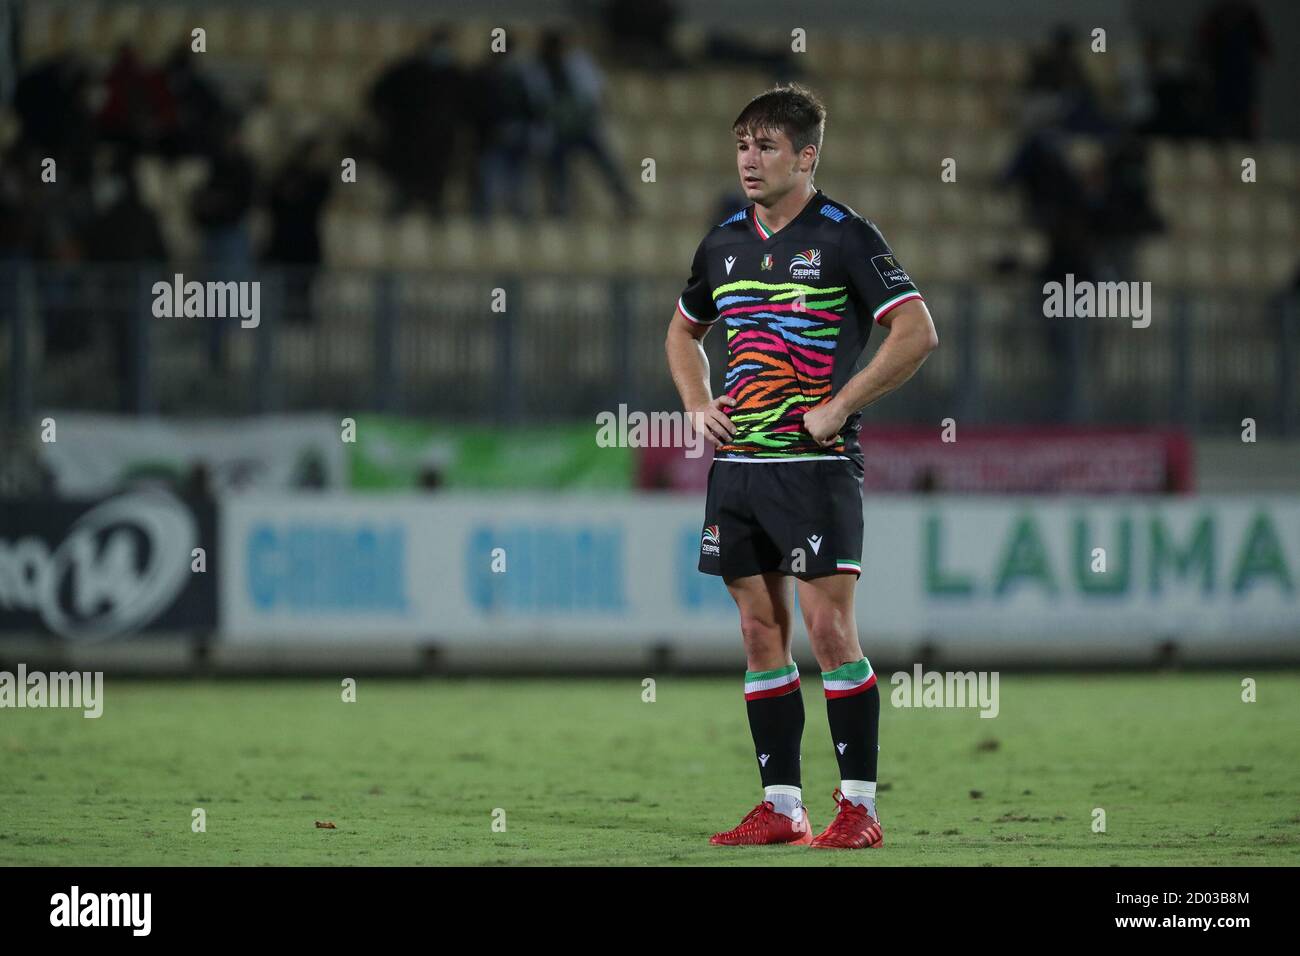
x=775, y=709
x=853, y=710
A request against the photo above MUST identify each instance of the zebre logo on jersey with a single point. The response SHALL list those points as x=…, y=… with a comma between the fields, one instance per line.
x=806, y=264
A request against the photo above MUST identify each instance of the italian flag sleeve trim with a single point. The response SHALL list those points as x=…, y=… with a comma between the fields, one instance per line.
x=893, y=303
x=681, y=307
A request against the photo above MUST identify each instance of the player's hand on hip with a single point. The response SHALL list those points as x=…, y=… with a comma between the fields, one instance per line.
x=712, y=420
x=824, y=422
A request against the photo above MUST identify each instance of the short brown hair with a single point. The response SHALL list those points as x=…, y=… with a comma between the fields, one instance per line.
x=793, y=109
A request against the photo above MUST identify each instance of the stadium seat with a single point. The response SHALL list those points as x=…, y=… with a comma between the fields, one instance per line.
x=1203, y=165
x=1011, y=61
x=458, y=243
x=1203, y=265
x=898, y=57
x=1194, y=213
x=975, y=61
x=1282, y=218
x=948, y=257
x=1156, y=264
x=291, y=84
x=937, y=59
x=356, y=240
x=596, y=246
x=1241, y=265
x=916, y=200
x=956, y=207
x=505, y=246
x=1281, y=267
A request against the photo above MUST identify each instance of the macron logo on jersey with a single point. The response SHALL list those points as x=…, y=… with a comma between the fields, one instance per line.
x=729, y=262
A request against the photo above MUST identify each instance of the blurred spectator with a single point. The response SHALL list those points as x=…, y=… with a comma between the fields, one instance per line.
x=297, y=195
x=124, y=230
x=573, y=90
x=507, y=114
x=1056, y=73
x=641, y=33
x=1173, y=92
x=419, y=105
x=10, y=31
x=1234, y=43
x=18, y=221
x=221, y=205
x=1059, y=200
x=52, y=102
x=1071, y=250
x=220, y=209
x=138, y=111
x=1125, y=213
x=725, y=49
x=1052, y=189
x=196, y=103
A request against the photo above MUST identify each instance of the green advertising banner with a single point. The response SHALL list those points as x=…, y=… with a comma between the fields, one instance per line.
x=392, y=453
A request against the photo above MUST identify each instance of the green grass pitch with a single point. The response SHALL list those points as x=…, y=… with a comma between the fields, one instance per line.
x=587, y=773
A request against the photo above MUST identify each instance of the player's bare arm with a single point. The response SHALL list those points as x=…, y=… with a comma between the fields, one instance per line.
x=912, y=337
x=690, y=370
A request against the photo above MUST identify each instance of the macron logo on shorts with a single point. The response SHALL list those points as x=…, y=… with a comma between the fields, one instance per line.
x=815, y=540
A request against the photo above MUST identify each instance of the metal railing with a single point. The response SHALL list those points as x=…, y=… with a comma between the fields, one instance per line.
x=529, y=348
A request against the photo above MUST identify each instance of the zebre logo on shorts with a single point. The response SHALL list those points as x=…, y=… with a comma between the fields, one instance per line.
x=709, y=542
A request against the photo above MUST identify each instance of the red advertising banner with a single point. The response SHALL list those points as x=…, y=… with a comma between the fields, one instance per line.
x=987, y=460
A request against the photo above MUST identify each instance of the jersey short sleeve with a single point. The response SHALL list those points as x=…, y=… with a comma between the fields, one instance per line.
x=696, y=300
x=876, y=276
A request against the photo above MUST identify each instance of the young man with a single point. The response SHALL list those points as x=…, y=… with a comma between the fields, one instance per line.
x=798, y=279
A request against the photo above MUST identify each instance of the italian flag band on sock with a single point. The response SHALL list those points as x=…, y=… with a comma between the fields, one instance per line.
x=853, y=710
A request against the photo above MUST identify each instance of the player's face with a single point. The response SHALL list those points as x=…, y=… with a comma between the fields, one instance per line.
x=767, y=165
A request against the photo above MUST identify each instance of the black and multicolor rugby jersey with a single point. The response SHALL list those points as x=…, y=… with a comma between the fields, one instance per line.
x=798, y=306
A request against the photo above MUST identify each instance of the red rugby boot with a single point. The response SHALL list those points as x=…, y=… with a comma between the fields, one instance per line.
x=852, y=829
x=763, y=825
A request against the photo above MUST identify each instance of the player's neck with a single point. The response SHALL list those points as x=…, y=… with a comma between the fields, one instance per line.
x=781, y=213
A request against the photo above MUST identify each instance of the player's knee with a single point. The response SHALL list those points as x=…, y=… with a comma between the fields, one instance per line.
x=762, y=636
x=830, y=629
